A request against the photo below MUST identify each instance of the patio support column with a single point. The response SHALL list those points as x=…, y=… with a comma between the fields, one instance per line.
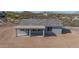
x=43, y=32
x=16, y=32
x=29, y=32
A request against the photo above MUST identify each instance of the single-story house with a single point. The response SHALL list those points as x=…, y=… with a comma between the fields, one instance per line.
x=75, y=18
x=2, y=17
x=38, y=27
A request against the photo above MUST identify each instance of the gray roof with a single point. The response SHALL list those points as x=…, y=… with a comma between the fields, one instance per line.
x=44, y=22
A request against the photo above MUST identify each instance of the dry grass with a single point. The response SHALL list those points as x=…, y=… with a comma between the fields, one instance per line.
x=8, y=39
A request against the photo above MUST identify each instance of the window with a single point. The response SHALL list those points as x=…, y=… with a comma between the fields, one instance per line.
x=23, y=29
x=36, y=29
x=39, y=29
x=49, y=28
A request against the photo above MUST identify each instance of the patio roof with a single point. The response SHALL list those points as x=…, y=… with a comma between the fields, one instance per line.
x=30, y=27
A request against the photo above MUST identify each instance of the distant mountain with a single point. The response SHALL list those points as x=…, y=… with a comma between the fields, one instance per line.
x=58, y=12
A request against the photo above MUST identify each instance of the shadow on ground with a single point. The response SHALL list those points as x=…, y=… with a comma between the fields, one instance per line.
x=41, y=34
x=50, y=34
x=65, y=30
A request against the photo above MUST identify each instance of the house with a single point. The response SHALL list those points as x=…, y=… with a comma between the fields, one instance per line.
x=2, y=17
x=38, y=27
x=45, y=14
x=75, y=18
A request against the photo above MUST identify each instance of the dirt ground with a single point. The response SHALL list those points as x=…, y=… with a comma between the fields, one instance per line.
x=8, y=39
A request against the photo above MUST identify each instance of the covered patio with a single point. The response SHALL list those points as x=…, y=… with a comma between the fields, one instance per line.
x=30, y=30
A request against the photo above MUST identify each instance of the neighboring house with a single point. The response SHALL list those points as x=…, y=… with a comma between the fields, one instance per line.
x=45, y=14
x=2, y=16
x=75, y=18
x=38, y=27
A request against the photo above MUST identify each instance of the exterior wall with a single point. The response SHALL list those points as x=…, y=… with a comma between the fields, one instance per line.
x=54, y=31
x=57, y=31
x=21, y=33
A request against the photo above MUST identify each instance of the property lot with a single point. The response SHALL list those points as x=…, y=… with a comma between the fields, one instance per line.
x=8, y=39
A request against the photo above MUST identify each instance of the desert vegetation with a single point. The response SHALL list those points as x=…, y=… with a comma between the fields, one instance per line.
x=66, y=19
